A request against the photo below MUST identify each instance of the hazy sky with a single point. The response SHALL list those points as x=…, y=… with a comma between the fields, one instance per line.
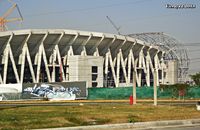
x=133, y=16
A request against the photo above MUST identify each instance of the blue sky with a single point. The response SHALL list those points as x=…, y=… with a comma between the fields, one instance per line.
x=134, y=16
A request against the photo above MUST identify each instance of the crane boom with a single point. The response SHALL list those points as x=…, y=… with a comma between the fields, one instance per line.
x=113, y=24
x=4, y=18
x=9, y=11
x=13, y=20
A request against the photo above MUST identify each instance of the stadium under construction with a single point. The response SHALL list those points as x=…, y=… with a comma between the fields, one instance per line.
x=100, y=59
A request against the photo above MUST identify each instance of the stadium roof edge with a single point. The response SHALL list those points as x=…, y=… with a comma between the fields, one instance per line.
x=75, y=32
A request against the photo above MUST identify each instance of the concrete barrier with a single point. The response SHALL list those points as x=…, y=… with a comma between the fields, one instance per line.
x=137, y=125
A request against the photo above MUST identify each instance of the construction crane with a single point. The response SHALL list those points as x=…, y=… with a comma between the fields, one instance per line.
x=4, y=18
x=113, y=24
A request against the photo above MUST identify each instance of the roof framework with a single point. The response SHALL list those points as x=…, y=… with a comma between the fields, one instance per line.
x=172, y=48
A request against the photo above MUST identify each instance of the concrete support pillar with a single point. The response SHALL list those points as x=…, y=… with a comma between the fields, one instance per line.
x=5, y=59
x=156, y=60
x=14, y=65
x=23, y=58
x=140, y=67
x=106, y=69
x=118, y=69
x=129, y=66
x=53, y=73
x=148, y=59
x=112, y=67
x=30, y=65
x=60, y=63
x=39, y=57
x=123, y=67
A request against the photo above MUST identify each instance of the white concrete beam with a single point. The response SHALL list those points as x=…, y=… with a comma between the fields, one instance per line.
x=39, y=57
x=97, y=44
x=23, y=56
x=108, y=45
x=5, y=59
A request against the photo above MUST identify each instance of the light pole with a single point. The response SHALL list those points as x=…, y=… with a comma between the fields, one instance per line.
x=155, y=87
x=134, y=87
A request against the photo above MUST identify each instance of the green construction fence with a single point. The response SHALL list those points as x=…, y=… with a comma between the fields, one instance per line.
x=141, y=92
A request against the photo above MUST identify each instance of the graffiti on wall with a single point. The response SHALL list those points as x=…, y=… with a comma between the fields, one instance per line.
x=53, y=91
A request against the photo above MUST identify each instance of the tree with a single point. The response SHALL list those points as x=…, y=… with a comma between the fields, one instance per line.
x=196, y=78
x=176, y=90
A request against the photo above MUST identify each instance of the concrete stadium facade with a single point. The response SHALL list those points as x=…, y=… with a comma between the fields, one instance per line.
x=101, y=59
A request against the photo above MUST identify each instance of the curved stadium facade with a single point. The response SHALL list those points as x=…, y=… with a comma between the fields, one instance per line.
x=101, y=59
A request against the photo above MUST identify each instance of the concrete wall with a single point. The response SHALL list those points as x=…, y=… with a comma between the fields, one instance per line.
x=10, y=88
x=172, y=72
x=80, y=69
